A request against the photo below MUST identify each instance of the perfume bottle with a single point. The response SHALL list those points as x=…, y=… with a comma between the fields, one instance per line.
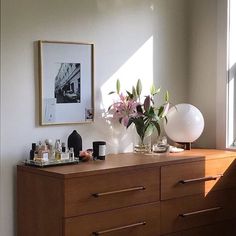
x=64, y=152
x=58, y=150
x=32, y=151
x=71, y=154
x=43, y=153
x=49, y=144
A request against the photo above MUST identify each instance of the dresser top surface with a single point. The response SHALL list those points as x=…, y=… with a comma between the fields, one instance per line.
x=128, y=161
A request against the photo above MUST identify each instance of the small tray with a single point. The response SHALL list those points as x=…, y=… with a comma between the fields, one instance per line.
x=50, y=163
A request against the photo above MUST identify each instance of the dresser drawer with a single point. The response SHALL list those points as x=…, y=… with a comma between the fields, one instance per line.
x=223, y=228
x=138, y=220
x=109, y=191
x=188, y=212
x=197, y=177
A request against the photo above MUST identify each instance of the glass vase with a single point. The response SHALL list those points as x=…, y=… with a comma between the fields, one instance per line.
x=142, y=146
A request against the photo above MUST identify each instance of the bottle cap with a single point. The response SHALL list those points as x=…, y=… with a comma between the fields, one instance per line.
x=33, y=146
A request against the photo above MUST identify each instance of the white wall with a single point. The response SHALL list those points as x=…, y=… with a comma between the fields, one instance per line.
x=121, y=31
x=203, y=65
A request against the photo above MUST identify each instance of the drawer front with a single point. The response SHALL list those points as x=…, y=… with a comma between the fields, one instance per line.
x=224, y=228
x=109, y=191
x=197, y=177
x=188, y=212
x=138, y=220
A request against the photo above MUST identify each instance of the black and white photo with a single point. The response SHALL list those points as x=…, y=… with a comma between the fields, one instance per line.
x=66, y=82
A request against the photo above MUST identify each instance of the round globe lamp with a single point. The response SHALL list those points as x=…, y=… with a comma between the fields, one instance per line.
x=185, y=124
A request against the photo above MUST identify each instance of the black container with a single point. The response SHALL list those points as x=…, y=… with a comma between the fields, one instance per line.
x=75, y=141
x=99, y=150
x=32, y=151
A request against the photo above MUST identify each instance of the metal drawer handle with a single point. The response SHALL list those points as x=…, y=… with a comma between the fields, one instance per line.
x=120, y=228
x=208, y=178
x=119, y=191
x=200, y=212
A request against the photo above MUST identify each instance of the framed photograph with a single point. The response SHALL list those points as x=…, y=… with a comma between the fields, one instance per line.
x=66, y=71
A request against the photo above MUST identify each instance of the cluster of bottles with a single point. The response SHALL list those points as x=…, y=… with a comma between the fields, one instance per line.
x=46, y=151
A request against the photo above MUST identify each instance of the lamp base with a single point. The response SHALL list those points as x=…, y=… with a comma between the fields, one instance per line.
x=184, y=145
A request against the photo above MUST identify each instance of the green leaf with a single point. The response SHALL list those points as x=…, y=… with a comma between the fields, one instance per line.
x=156, y=124
x=158, y=90
x=145, y=118
x=134, y=93
x=166, y=119
x=139, y=87
x=153, y=90
x=139, y=125
x=129, y=94
x=167, y=96
x=161, y=109
x=111, y=92
x=151, y=112
x=131, y=120
x=149, y=128
x=118, y=86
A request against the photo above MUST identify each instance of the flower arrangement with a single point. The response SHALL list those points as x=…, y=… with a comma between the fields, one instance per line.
x=130, y=108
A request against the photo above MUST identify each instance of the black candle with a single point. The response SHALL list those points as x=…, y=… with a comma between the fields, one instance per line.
x=99, y=150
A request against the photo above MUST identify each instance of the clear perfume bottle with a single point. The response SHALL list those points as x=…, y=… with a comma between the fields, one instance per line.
x=58, y=149
x=71, y=154
x=64, y=152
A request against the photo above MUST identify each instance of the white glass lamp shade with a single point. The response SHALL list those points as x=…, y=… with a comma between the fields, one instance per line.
x=185, y=123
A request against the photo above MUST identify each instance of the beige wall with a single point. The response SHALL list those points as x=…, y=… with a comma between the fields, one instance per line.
x=121, y=31
x=203, y=65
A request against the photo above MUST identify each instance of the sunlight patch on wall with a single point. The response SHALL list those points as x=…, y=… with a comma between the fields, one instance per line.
x=231, y=142
x=231, y=118
x=138, y=66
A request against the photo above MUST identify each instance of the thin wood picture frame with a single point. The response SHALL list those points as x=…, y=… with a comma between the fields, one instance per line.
x=66, y=76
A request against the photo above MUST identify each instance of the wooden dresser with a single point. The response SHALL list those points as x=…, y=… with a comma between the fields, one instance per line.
x=187, y=194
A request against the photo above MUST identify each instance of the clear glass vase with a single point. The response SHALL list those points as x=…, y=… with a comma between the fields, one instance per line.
x=142, y=146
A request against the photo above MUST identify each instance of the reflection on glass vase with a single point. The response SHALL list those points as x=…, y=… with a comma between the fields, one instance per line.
x=142, y=146
x=161, y=146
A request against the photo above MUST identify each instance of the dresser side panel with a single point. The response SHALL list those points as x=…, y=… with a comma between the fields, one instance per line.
x=39, y=205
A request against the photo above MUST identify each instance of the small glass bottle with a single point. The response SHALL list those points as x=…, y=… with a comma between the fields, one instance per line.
x=58, y=150
x=71, y=154
x=64, y=152
x=32, y=151
x=44, y=153
x=63, y=147
x=49, y=144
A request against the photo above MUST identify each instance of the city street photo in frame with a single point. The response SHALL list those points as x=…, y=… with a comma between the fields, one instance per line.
x=66, y=82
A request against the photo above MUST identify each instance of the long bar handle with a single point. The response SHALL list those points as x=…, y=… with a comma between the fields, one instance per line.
x=119, y=191
x=120, y=228
x=200, y=211
x=203, y=179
